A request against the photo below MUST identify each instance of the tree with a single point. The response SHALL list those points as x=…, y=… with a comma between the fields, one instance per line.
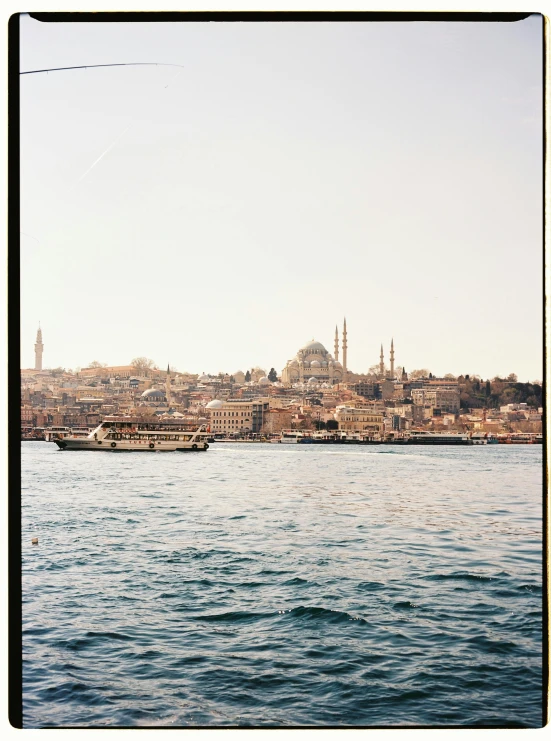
x=374, y=370
x=272, y=375
x=332, y=424
x=247, y=376
x=143, y=365
x=57, y=371
x=512, y=377
x=488, y=388
x=420, y=373
x=97, y=364
x=450, y=376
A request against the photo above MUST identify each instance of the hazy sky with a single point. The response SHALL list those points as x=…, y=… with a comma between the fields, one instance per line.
x=289, y=175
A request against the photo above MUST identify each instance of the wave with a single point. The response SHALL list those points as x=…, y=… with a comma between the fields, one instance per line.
x=324, y=615
x=234, y=617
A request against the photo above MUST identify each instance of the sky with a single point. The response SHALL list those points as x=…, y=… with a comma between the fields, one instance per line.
x=218, y=216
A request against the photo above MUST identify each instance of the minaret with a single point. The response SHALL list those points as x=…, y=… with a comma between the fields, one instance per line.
x=38, y=348
x=336, y=344
x=167, y=385
x=382, y=364
x=344, y=349
x=392, y=359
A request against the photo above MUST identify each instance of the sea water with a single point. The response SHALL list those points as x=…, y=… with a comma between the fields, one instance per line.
x=273, y=585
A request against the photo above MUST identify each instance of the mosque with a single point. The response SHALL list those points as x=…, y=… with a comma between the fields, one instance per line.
x=314, y=363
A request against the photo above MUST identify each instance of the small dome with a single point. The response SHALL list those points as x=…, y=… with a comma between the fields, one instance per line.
x=337, y=364
x=312, y=380
x=306, y=363
x=214, y=404
x=315, y=364
x=293, y=362
x=324, y=363
x=203, y=378
x=264, y=380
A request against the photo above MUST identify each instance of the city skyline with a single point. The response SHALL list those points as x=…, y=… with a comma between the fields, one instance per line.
x=386, y=363
x=387, y=172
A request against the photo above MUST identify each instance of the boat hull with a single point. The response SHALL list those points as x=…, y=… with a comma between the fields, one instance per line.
x=438, y=441
x=145, y=446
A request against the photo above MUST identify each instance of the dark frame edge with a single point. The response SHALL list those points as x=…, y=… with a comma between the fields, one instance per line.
x=15, y=643
x=228, y=16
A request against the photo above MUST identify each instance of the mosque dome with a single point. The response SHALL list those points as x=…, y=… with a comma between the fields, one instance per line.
x=264, y=380
x=202, y=378
x=313, y=345
x=214, y=404
x=153, y=394
x=312, y=359
x=312, y=380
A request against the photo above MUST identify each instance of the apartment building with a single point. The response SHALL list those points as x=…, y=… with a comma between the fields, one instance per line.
x=237, y=415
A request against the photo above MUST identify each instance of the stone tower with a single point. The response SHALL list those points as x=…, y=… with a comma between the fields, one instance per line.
x=38, y=349
x=382, y=364
x=344, y=351
x=392, y=359
x=336, y=343
x=167, y=385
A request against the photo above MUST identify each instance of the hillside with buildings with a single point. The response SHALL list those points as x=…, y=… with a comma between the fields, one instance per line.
x=313, y=391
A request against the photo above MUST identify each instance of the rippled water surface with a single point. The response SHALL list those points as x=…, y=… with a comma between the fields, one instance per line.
x=283, y=585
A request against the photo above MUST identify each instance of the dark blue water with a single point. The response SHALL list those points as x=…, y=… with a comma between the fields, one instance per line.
x=283, y=585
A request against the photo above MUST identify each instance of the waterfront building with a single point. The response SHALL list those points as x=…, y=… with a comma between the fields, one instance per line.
x=237, y=415
x=276, y=420
x=38, y=350
x=358, y=419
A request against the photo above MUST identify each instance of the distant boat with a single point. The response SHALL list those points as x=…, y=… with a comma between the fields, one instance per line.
x=438, y=438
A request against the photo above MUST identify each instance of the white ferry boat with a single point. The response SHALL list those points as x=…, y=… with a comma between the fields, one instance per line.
x=51, y=433
x=288, y=437
x=479, y=438
x=117, y=433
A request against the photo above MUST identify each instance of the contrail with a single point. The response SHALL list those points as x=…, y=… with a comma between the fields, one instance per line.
x=90, y=66
x=125, y=130
x=102, y=155
x=31, y=236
